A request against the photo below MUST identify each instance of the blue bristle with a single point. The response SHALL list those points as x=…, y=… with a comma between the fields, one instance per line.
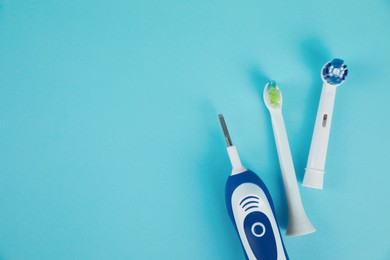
x=335, y=72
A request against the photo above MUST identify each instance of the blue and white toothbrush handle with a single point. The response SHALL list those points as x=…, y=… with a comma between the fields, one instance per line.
x=315, y=169
x=251, y=210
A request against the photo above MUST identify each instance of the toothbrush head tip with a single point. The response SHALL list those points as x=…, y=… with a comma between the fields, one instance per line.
x=274, y=94
x=334, y=72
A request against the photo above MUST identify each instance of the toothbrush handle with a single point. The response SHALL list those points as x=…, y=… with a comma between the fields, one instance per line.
x=315, y=168
x=298, y=222
x=252, y=212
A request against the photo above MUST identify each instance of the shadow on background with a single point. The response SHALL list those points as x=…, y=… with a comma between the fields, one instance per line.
x=314, y=55
x=259, y=79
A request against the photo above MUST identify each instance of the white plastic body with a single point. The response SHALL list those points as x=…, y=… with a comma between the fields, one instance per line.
x=242, y=191
x=235, y=160
x=315, y=168
x=298, y=222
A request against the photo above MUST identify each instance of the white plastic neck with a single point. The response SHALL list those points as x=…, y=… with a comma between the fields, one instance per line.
x=235, y=160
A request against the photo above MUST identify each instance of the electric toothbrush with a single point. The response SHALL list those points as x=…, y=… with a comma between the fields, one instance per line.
x=333, y=75
x=251, y=209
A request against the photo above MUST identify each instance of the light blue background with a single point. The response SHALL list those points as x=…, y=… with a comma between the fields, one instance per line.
x=110, y=146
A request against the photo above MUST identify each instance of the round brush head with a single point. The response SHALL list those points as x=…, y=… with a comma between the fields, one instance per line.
x=334, y=72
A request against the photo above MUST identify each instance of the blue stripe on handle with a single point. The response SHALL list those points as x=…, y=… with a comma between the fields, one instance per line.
x=249, y=197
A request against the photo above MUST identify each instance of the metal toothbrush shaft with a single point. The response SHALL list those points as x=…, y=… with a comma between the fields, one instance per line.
x=225, y=130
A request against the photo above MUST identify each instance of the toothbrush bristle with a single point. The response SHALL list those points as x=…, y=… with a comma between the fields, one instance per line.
x=335, y=72
x=274, y=94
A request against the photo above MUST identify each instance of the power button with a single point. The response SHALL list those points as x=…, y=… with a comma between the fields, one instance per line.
x=258, y=229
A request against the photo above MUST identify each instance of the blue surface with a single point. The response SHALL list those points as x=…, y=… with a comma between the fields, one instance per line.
x=110, y=145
